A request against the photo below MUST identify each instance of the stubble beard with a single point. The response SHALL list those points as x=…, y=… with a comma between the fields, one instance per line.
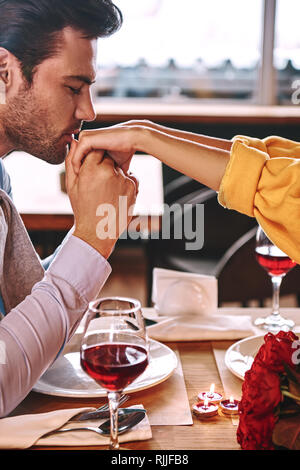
x=26, y=126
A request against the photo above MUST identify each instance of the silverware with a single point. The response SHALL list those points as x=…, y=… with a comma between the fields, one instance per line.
x=95, y=414
x=149, y=322
x=126, y=422
x=103, y=414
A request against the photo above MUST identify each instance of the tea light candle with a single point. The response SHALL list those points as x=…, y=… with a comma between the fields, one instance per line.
x=205, y=410
x=230, y=407
x=212, y=396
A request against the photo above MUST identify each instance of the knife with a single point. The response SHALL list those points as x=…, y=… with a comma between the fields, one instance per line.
x=149, y=322
x=104, y=414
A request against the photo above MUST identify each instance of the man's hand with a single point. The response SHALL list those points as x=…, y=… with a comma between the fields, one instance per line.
x=99, y=183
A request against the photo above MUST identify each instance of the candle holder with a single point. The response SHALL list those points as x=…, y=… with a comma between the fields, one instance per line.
x=230, y=407
x=206, y=409
x=212, y=396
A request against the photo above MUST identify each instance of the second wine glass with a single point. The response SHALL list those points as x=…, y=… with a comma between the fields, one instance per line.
x=114, y=349
x=277, y=264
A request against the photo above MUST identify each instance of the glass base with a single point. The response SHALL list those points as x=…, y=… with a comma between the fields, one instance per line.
x=119, y=448
x=274, y=323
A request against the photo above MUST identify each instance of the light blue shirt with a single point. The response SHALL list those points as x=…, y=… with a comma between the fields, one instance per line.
x=5, y=180
x=6, y=186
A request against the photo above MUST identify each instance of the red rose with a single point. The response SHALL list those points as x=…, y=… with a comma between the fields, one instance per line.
x=261, y=391
x=256, y=434
x=276, y=351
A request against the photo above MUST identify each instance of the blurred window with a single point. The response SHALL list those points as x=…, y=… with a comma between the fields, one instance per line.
x=194, y=49
x=287, y=51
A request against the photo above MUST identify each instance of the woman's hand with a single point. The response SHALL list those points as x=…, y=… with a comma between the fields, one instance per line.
x=119, y=142
x=202, y=158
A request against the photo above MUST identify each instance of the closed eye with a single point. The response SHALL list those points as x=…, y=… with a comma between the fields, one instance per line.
x=76, y=91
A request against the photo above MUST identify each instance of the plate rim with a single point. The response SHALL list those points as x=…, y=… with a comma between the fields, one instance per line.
x=101, y=394
x=243, y=340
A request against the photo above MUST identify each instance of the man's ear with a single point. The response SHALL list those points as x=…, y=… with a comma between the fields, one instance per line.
x=4, y=74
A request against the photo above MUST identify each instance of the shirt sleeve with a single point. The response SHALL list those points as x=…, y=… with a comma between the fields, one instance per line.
x=47, y=261
x=32, y=334
x=262, y=180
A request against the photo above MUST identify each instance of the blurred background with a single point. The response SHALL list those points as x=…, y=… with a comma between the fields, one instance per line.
x=199, y=50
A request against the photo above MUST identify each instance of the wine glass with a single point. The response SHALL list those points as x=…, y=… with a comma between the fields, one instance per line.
x=277, y=264
x=114, y=349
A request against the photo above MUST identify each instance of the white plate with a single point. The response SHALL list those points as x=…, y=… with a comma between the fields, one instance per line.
x=240, y=356
x=65, y=377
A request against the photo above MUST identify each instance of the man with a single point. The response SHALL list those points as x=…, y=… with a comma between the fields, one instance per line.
x=47, y=65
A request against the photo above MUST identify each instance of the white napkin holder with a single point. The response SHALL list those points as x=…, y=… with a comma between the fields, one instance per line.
x=181, y=293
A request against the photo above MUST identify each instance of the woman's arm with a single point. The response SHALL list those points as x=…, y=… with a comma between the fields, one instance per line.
x=223, y=144
x=200, y=161
x=205, y=163
x=261, y=180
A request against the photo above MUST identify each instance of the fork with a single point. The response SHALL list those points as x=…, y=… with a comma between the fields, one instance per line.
x=105, y=407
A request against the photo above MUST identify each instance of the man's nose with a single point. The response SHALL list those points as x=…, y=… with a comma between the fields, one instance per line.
x=85, y=110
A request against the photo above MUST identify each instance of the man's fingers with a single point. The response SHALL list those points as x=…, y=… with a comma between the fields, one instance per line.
x=94, y=158
x=86, y=147
x=130, y=176
x=71, y=153
x=126, y=165
x=135, y=181
x=70, y=174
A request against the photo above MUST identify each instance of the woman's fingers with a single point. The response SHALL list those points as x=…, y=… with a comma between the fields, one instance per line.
x=116, y=141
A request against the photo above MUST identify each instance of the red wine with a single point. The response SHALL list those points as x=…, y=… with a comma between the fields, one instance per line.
x=273, y=260
x=114, y=366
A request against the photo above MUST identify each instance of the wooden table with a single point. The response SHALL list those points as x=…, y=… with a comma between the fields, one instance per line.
x=200, y=371
x=44, y=206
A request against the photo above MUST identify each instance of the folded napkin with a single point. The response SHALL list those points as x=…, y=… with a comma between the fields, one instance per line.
x=201, y=328
x=177, y=293
x=22, y=432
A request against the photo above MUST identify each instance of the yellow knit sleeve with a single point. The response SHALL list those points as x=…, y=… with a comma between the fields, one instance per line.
x=281, y=147
x=239, y=183
x=262, y=180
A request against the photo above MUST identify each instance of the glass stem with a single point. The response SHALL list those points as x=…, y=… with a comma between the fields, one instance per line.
x=276, y=281
x=114, y=398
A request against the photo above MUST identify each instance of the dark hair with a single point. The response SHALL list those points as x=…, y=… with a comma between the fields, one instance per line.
x=30, y=29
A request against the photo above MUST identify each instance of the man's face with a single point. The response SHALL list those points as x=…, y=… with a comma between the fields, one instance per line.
x=40, y=119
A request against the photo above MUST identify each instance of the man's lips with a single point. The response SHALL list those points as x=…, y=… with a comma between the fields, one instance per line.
x=69, y=136
x=72, y=132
